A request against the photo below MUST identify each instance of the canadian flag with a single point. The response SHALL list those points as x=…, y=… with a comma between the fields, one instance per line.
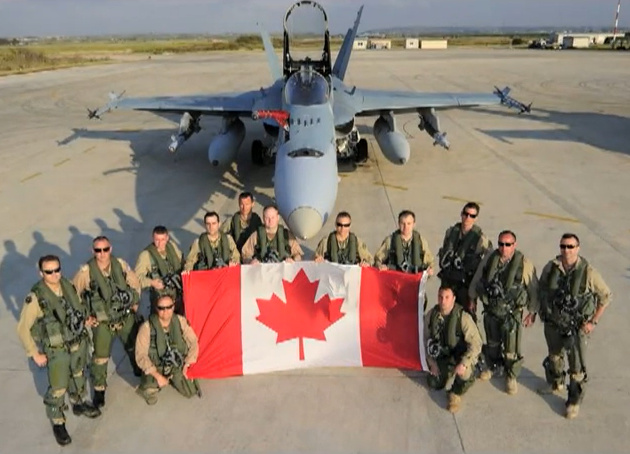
x=272, y=317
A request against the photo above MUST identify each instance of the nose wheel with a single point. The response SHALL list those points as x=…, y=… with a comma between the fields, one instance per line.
x=361, y=154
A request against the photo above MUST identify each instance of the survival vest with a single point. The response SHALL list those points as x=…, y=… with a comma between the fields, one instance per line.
x=446, y=337
x=349, y=255
x=408, y=259
x=171, y=265
x=241, y=235
x=210, y=257
x=501, y=289
x=110, y=298
x=275, y=250
x=567, y=303
x=63, y=323
x=167, y=350
x=458, y=261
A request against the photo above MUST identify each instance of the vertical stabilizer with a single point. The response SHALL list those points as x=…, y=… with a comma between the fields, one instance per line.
x=343, y=58
x=272, y=58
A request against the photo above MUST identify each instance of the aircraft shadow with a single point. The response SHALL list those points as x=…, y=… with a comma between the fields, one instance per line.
x=607, y=132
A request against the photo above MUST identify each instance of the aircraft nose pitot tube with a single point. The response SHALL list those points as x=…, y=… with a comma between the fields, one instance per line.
x=223, y=148
x=392, y=143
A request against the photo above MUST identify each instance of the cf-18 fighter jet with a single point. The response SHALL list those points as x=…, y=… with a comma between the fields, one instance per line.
x=309, y=115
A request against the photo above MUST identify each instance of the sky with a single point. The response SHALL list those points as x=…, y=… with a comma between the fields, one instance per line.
x=93, y=17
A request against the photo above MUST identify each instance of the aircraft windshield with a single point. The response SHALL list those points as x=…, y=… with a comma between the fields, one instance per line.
x=306, y=88
x=306, y=25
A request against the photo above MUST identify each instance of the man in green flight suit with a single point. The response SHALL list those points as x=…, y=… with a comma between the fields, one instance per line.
x=159, y=268
x=453, y=345
x=166, y=347
x=112, y=291
x=405, y=249
x=272, y=243
x=506, y=282
x=463, y=248
x=54, y=316
x=573, y=297
x=213, y=248
x=342, y=245
x=244, y=222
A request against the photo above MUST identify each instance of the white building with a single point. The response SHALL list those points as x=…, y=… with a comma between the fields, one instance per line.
x=411, y=43
x=433, y=44
x=380, y=44
x=576, y=42
x=360, y=44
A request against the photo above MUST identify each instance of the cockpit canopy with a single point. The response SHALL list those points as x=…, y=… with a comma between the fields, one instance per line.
x=306, y=88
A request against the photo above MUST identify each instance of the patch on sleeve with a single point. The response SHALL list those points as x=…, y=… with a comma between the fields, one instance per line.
x=28, y=299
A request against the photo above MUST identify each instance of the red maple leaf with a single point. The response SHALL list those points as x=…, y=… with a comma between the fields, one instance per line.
x=300, y=317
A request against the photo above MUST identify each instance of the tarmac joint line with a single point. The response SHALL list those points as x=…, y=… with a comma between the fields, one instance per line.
x=457, y=199
x=30, y=177
x=551, y=216
x=63, y=161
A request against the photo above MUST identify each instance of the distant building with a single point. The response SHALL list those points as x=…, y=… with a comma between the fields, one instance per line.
x=380, y=44
x=433, y=44
x=360, y=44
x=576, y=42
x=411, y=43
x=594, y=38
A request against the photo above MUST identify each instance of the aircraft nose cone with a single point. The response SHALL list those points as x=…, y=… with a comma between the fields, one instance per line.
x=304, y=222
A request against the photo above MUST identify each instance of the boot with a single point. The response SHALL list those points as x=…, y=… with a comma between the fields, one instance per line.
x=454, y=401
x=485, y=375
x=551, y=389
x=86, y=409
x=99, y=399
x=511, y=386
x=61, y=434
x=572, y=411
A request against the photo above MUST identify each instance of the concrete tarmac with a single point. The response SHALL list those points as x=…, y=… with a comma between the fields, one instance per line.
x=565, y=167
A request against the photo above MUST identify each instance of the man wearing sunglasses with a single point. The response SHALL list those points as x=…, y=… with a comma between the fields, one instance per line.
x=463, y=248
x=573, y=297
x=343, y=246
x=54, y=317
x=166, y=347
x=506, y=283
x=112, y=291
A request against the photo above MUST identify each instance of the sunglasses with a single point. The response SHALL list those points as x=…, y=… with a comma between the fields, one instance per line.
x=104, y=249
x=505, y=244
x=568, y=246
x=470, y=215
x=56, y=270
x=339, y=224
x=165, y=308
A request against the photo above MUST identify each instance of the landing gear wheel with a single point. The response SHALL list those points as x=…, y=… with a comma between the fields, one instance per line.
x=362, y=151
x=258, y=153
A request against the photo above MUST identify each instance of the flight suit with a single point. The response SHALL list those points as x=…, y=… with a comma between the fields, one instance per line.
x=451, y=340
x=167, y=351
x=343, y=250
x=166, y=266
x=292, y=249
x=195, y=260
x=59, y=329
x=459, y=258
x=240, y=229
x=387, y=255
x=567, y=302
x=114, y=319
x=505, y=290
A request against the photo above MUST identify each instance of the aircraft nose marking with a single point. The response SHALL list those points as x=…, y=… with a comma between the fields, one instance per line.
x=304, y=222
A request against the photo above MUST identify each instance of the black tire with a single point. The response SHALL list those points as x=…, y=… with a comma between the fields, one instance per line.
x=362, y=151
x=258, y=153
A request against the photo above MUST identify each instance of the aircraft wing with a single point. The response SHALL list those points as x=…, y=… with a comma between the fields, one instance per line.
x=240, y=103
x=373, y=102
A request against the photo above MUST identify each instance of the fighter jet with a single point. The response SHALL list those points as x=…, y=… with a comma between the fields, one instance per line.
x=309, y=115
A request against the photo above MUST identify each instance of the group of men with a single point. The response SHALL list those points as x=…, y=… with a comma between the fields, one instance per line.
x=104, y=295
